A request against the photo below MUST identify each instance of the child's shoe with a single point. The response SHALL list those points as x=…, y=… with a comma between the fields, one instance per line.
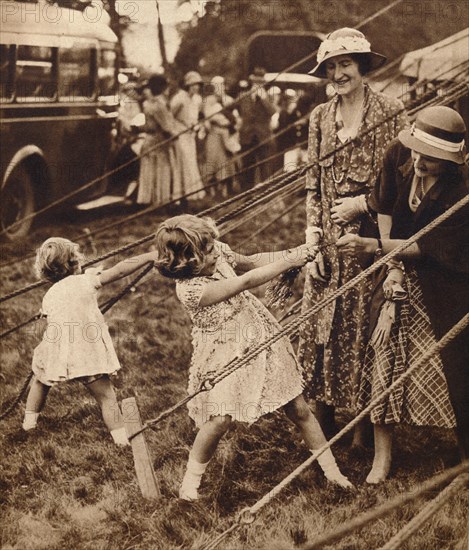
x=192, y=478
x=331, y=470
x=119, y=435
x=30, y=420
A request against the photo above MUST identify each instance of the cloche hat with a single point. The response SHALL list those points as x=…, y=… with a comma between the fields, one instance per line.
x=257, y=76
x=342, y=42
x=217, y=80
x=192, y=77
x=437, y=132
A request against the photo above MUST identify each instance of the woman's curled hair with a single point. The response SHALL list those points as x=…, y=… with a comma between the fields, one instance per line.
x=181, y=243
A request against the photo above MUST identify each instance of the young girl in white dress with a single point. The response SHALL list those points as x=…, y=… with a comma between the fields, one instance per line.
x=227, y=320
x=76, y=344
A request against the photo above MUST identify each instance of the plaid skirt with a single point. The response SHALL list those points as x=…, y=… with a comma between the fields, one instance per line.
x=423, y=399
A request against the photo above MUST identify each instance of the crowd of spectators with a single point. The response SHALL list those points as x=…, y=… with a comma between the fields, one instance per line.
x=197, y=132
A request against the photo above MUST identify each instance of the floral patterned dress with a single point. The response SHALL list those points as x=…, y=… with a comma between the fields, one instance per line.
x=333, y=342
x=225, y=330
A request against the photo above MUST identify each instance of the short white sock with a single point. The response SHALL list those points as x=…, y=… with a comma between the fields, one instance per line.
x=192, y=478
x=30, y=420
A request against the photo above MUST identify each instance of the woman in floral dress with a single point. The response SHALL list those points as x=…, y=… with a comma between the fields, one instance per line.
x=333, y=342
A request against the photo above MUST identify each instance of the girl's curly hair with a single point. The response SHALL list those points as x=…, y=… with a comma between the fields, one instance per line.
x=57, y=258
x=181, y=242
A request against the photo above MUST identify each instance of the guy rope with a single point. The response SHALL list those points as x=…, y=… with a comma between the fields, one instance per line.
x=191, y=128
x=294, y=326
x=451, y=93
x=247, y=515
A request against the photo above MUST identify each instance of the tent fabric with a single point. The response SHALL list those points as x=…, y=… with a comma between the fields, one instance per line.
x=445, y=57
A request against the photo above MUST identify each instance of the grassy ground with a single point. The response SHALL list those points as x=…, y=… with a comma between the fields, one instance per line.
x=67, y=486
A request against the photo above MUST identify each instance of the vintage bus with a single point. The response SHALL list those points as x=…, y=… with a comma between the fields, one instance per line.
x=58, y=102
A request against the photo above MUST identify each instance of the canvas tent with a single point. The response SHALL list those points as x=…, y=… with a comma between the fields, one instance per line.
x=447, y=59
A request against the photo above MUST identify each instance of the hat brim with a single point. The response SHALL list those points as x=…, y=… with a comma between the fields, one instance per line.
x=376, y=61
x=410, y=141
x=257, y=79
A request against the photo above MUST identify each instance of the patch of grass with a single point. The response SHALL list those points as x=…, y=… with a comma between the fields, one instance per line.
x=66, y=485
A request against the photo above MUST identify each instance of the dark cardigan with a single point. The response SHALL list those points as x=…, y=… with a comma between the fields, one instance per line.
x=443, y=268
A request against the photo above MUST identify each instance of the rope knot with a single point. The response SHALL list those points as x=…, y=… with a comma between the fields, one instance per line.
x=246, y=516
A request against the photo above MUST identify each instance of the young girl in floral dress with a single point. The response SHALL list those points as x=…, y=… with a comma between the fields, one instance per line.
x=228, y=320
x=76, y=344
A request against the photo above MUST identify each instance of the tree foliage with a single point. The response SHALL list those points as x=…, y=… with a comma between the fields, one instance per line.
x=215, y=43
x=117, y=22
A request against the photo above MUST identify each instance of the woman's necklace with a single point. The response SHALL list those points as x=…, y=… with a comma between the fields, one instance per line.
x=422, y=188
x=356, y=119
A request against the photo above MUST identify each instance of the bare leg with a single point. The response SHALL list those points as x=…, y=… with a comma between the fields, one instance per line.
x=37, y=396
x=382, y=459
x=103, y=391
x=205, y=444
x=207, y=438
x=326, y=417
x=300, y=414
x=35, y=403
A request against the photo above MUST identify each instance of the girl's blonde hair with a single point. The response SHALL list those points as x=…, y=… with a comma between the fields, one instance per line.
x=181, y=243
x=57, y=258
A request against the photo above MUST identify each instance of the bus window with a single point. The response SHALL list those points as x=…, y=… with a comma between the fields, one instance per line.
x=34, y=74
x=6, y=53
x=76, y=73
x=107, y=73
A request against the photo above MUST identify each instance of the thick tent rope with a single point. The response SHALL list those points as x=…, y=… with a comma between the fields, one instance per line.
x=153, y=208
x=294, y=326
x=262, y=190
x=430, y=485
x=427, y=512
x=248, y=514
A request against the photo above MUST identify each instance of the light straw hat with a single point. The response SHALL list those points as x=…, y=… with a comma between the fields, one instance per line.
x=342, y=42
x=437, y=132
x=192, y=77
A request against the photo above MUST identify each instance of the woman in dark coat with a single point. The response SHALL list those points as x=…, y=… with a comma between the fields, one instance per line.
x=422, y=177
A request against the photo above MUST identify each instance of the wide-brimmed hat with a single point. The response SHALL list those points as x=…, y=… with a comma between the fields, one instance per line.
x=437, y=132
x=257, y=76
x=192, y=77
x=343, y=42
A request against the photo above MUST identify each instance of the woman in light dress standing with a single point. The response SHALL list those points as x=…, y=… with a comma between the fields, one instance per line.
x=186, y=106
x=159, y=173
x=222, y=141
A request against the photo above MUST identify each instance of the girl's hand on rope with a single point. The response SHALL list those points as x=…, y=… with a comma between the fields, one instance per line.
x=303, y=254
x=353, y=245
x=348, y=209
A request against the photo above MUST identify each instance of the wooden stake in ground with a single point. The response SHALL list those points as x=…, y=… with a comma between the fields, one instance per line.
x=143, y=466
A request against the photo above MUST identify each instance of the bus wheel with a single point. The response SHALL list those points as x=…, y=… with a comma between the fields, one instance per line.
x=17, y=202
